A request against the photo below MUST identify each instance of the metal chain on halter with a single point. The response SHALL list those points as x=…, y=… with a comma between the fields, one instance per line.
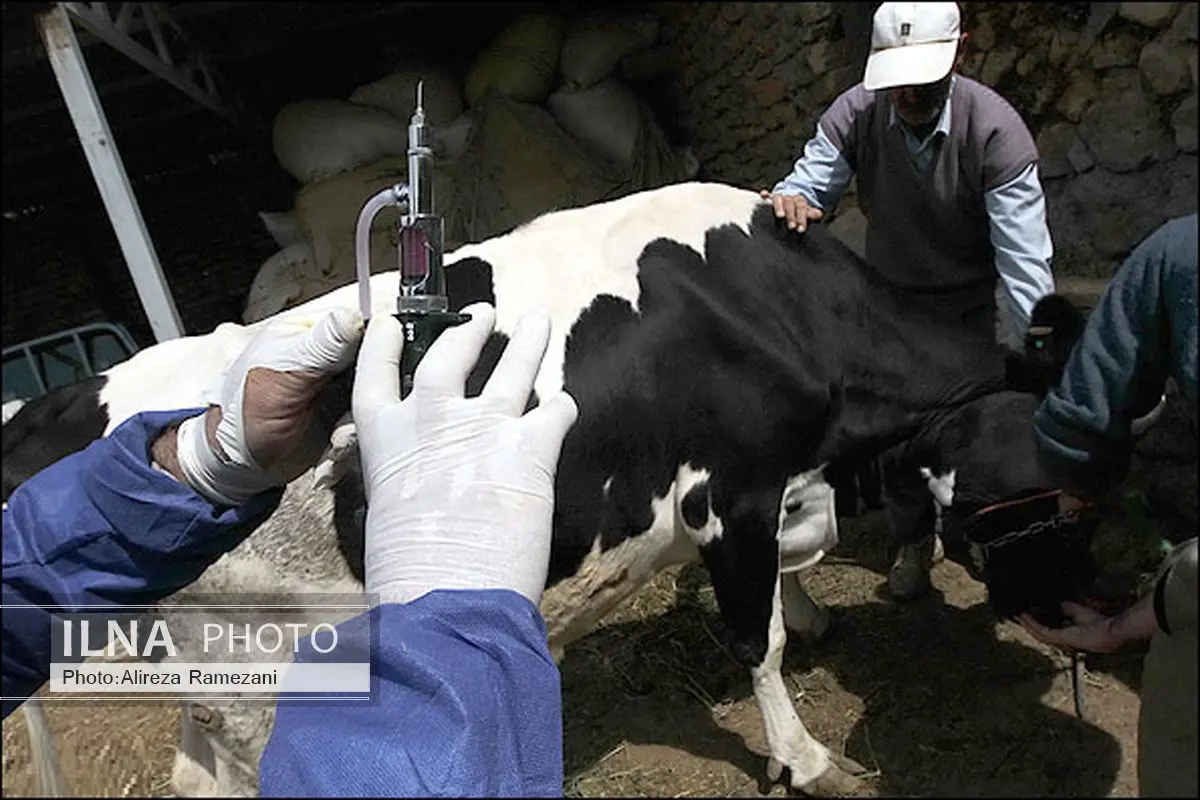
x=1055, y=523
x=1069, y=518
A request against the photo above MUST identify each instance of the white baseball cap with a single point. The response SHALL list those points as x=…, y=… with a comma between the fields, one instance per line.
x=912, y=44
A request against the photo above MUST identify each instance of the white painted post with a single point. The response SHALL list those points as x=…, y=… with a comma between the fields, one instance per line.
x=78, y=91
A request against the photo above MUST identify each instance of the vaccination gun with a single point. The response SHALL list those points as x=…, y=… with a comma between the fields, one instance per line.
x=422, y=305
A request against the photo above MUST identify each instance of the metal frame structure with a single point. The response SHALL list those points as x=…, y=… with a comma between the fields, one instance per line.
x=190, y=74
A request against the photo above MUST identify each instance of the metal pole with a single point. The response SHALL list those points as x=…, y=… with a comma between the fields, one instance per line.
x=79, y=93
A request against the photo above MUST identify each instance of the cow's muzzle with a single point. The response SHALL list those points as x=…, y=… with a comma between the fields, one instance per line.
x=1030, y=555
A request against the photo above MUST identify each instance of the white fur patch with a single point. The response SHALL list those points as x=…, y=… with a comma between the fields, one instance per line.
x=811, y=531
x=341, y=451
x=574, y=607
x=179, y=373
x=790, y=743
x=11, y=408
x=941, y=486
x=557, y=263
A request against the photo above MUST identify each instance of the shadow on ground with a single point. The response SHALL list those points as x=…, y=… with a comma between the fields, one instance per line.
x=925, y=693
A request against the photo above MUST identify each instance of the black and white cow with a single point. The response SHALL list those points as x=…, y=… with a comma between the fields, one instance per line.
x=719, y=362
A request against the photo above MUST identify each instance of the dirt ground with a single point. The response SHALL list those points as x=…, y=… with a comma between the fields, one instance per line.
x=935, y=698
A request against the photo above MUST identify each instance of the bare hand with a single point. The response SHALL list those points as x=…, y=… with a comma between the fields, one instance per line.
x=794, y=208
x=1069, y=503
x=1092, y=631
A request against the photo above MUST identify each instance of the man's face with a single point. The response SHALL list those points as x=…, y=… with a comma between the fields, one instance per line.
x=920, y=105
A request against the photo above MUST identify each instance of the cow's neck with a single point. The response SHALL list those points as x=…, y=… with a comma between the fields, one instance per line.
x=843, y=352
x=911, y=372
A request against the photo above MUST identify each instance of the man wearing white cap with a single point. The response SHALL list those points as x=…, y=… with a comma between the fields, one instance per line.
x=948, y=181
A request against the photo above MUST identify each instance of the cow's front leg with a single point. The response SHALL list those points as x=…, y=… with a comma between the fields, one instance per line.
x=738, y=543
x=912, y=519
x=814, y=769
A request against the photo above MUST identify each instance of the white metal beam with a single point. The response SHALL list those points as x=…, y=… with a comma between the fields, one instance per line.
x=18, y=55
x=78, y=91
x=186, y=68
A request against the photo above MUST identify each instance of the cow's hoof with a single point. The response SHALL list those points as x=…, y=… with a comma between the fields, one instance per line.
x=908, y=579
x=842, y=778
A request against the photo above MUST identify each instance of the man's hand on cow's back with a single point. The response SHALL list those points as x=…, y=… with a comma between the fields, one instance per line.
x=794, y=208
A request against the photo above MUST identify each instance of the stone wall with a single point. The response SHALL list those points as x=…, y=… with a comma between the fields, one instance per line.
x=1108, y=90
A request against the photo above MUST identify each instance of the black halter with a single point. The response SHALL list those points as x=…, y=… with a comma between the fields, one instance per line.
x=1000, y=536
x=1031, y=555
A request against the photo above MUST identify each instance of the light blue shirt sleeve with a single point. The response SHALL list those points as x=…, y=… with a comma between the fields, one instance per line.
x=820, y=175
x=1017, y=223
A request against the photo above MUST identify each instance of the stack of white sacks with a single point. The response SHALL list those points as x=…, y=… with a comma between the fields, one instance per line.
x=541, y=121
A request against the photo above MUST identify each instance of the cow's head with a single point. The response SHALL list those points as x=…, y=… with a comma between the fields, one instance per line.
x=1055, y=325
x=1000, y=510
x=1031, y=556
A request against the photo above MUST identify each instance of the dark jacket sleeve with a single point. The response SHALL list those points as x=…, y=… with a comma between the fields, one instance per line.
x=466, y=702
x=102, y=527
x=1142, y=331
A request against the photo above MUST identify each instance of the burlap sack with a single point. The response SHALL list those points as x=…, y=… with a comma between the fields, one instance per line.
x=595, y=45
x=520, y=64
x=606, y=117
x=317, y=139
x=285, y=280
x=397, y=93
x=328, y=213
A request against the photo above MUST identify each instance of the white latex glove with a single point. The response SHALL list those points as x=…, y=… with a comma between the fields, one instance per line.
x=460, y=492
x=262, y=433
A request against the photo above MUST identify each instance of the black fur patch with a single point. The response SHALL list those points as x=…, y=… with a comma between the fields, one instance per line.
x=52, y=427
x=756, y=360
x=694, y=506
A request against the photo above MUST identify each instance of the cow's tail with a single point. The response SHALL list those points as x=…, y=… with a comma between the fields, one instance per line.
x=43, y=752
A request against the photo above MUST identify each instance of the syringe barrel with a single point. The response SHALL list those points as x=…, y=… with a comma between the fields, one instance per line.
x=422, y=278
x=420, y=170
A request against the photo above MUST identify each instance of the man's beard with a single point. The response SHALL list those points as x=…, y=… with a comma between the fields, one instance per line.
x=926, y=114
x=925, y=119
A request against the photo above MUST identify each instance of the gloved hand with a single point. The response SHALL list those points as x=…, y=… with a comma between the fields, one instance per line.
x=262, y=432
x=460, y=491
